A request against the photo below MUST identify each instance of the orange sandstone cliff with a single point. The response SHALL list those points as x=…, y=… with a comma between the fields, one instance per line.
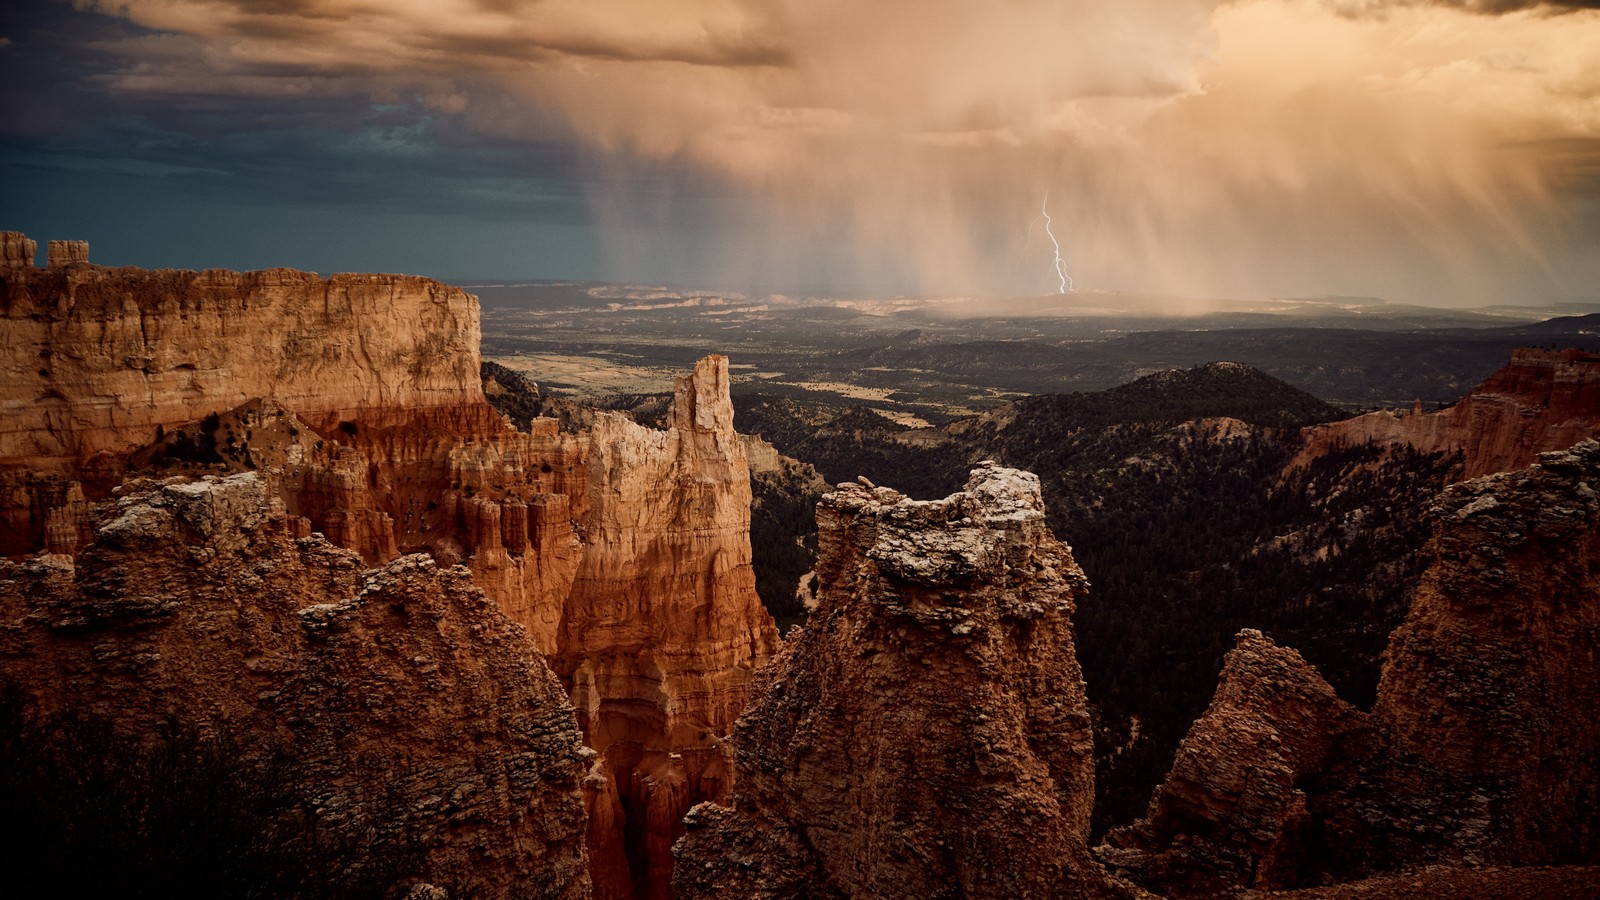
x=1541, y=400
x=622, y=550
x=926, y=733
x=96, y=358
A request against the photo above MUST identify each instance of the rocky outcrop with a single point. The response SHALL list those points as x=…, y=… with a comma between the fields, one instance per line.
x=60, y=254
x=663, y=627
x=95, y=359
x=412, y=703
x=1482, y=749
x=1493, y=680
x=623, y=550
x=1542, y=400
x=1232, y=813
x=926, y=733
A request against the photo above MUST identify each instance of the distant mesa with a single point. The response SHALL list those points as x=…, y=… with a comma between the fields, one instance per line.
x=66, y=253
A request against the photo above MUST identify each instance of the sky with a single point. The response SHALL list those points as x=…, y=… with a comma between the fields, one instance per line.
x=1443, y=152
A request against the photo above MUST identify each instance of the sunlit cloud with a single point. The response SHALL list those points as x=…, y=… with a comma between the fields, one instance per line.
x=1433, y=151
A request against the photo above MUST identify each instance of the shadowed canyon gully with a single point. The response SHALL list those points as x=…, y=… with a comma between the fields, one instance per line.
x=278, y=504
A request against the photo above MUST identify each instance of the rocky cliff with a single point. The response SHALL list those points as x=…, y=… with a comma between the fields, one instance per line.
x=1493, y=681
x=413, y=705
x=623, y=550
x=1482, y=749
x=926, y=733
x=663, y=626
x=96, y=358
x=1542, y=400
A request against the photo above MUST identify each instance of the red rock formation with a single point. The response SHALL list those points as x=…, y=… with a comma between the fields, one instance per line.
x=623, y=550
x=1493, y=680
x=663, y=627
x=16, y=250
x=95, y=358
x=926, y=733
x=60, y=254
x=1483, y=747
x=196, y=602
x=1232, y=813
x=1542, y=400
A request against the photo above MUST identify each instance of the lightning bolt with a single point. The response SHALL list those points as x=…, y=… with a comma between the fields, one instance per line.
x=1064, y=280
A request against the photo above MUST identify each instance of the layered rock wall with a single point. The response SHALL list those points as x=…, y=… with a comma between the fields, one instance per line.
x=1542, y=400
x=196, y=603
x=93, y=359
x=17, y=250
x=663, y=627
x=926, y=733
x=60, y=254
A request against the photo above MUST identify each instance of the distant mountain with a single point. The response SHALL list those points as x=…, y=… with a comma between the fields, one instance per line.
x=1560, y=326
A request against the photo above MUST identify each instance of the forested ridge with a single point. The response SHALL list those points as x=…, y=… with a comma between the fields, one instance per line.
x=1176, y=496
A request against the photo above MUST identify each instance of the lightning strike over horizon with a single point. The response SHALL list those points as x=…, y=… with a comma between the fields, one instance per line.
x=1064, y=281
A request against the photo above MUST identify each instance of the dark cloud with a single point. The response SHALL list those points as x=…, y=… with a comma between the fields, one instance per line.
x=1193, y=146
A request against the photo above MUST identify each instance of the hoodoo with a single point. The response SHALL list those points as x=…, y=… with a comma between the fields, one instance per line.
x=926, y=734
x=416, y=711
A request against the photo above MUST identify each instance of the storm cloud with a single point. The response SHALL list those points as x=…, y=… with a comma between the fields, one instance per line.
x=1441, y=152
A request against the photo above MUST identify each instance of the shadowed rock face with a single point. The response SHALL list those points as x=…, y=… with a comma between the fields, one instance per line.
x=1483, y=747
x=1542, y=400
x=1494, y=678
x=926, y=733
x=196, y=603
x=1232, y=813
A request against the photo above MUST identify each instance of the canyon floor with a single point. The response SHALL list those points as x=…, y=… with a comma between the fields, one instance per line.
x=935, y=358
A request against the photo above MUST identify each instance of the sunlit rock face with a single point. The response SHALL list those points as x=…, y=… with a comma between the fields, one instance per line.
x=412, y=705
x=622, y=550
x=1541, y=400
x=926, y=733
x=663, y=626
x=1483, y=747
x=95, y=358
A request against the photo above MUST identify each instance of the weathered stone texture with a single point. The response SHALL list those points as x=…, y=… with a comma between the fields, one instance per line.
x=92, y=359
x=1232, y=813
x=60, y=254
x=17, y=250
x=1541, y=400
x=195, y=602
x=663, y=626
x=1483, y=747
x=926, y=733
x=624, y=551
